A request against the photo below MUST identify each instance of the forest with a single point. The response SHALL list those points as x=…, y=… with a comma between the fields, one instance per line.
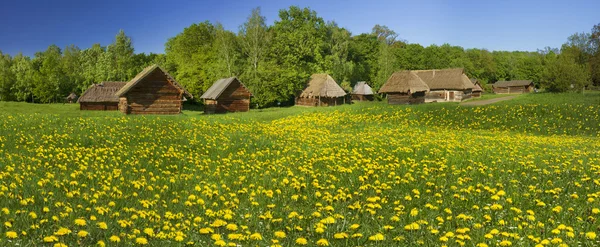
x=275, y=61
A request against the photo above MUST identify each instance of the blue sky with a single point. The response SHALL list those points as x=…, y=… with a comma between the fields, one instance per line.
x=28, y=26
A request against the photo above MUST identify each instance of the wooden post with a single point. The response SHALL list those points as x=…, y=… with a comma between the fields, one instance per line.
x=319, y=100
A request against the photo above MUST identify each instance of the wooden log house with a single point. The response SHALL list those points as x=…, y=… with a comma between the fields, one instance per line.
x=101, y=96
x=362, y=92
x=446, y=85
x=227, y=95
x=513, y=87
x=321, y=90
x=404, y=87
x=152, y=91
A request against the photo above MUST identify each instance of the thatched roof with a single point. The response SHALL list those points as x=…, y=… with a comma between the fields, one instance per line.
x=404, y=82
x=477, y=88
x=451, y=79
x=147, y=71
x=219, y=87
x=322, y=85
x=72, y=96
x=516, y=83
x=362, y=88
x=102, y=92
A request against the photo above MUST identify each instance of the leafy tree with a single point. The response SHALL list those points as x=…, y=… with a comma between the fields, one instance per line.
x=228, y=52
x=121, y=53
x=254, y=39
x=337, y=58
x=72, y=69
x=307, y=32
x=52, y=77
x=7, y=79
x=363, y=53
x=24, y=73
x=565, y=74
x=595, y=54
x=192, y=53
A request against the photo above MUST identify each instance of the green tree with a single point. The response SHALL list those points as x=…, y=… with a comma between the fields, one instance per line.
x=121, y=53
x=363, y=53
x=24, y=73
x=190, y=54
x=52, y=78
x=337, y=58
x=73, y=70
x=387, y=60
x=7, y=79
x=228, y=52
x=92, y=71
x=298, y=49
x=564, y=74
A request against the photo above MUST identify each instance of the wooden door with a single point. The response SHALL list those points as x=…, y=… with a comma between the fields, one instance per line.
x=451, y=95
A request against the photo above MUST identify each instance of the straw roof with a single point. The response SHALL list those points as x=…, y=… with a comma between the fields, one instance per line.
x=72, y=96
x=476, y=85
x=219, y=87
x=404, y=82
x=445, y=79
x=322, y=85
x=516, y=83
x=102, y=92
x=362, y=88
x=147, y=71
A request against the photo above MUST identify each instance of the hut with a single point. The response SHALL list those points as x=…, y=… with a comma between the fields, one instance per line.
x=514, y=87
x=405, y=87
x=477, y=88
x=227, y=95
x=446, y=85
x=321, y=90
x=152, y=91
x=101, y=96
x=71, y=98
x=362, y=92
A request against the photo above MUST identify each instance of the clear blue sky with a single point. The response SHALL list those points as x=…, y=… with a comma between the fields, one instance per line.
x=28, y=26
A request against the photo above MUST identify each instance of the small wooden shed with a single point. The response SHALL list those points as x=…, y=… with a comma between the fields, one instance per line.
x=405, y=87
x=362, y=92
x=101, y=96
x=152, y=91
x=321, y=90
x=513, y=87
x=446, y=85
x=71, y=98
x=477, y=88
x=227, y=95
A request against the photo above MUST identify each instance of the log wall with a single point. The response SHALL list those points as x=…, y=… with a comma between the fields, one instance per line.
x=98, y=106
x=513, y=90
x=324, y=101
x=235, y=98
x=447, y=95
x=153, y=95
x=360, y=97
x=405, y=98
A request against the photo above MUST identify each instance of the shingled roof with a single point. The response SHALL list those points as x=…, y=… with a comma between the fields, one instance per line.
x=322, y=85
x=219, y=87
x=453, y=79
x=147, y=71
x=515, y=83
x=405, y=81
x=102, y=92
x=362, y=88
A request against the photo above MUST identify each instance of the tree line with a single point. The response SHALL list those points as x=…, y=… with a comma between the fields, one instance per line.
x=275, y=61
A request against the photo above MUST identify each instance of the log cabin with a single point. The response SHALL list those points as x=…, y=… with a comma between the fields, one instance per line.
x=404, y=87
x=513, y=87
x=362, y=92
x=477, y=88
x=321, y=90
x=446, y=85
x=101, y=96
x=152, y=91
x=227, y=95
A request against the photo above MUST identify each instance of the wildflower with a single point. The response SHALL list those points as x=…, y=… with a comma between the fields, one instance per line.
x=82, y=234
x=141, y=241
x=377, y=237
x=62, y=231
x=12, y=234
x=505, y=243
x=590, y=235
x=50, y=239
x=340, y=235
x=60, y=245
x=256, y=236
x=323, y=242
x=280, y=234
x=412, y=227
x=115, y=239
x=301, y=241
x=102, y=225
x=354, y=226
x=80, y=222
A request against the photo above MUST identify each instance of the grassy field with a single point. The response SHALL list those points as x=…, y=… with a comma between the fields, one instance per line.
x=523, y=172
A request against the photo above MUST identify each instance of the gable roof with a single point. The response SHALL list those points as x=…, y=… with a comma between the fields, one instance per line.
x=219, y=87
x=515, y=83
x=147, y=71
x=445, y=79
x=322, y=85
x=102, y=92
x=72, y=96
x=362, y=88
x=405, y=81
x=477, y=88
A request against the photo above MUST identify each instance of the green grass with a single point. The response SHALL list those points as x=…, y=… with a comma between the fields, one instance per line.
x=384, y=167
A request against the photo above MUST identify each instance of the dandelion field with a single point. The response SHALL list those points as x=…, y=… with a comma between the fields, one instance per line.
x=521, y=173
